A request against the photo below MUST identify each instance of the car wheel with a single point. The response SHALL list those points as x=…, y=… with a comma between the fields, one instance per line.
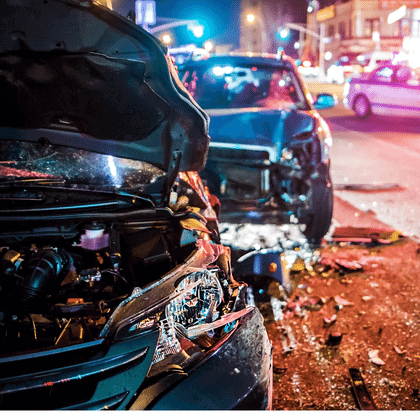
x=321, y=210
x=362, y=106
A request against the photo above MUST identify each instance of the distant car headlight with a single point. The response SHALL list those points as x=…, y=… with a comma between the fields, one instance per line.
x=346, y=89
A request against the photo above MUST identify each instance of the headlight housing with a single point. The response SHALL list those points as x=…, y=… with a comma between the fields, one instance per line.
x=200, y=311
x=203, y=305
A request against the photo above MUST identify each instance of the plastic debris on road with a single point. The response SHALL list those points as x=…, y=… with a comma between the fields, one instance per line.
x=374, y=358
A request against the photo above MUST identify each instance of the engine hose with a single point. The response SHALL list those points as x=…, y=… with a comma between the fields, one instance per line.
x=43, y=271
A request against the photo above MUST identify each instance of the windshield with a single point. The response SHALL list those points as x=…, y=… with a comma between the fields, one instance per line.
x=77, y=168
x=225, y=86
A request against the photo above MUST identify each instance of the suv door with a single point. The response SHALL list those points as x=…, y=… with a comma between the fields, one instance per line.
x=381, y=90
x=407, y=84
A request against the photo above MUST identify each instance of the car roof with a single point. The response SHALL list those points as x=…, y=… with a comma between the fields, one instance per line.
x=245, y=59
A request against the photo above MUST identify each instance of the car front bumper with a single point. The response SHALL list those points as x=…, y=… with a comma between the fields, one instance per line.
x=237, y=374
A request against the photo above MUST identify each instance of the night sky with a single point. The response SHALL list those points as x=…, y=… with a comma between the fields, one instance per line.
x=219, y=17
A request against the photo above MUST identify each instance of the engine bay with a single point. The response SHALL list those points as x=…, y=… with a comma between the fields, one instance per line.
x=60, y=282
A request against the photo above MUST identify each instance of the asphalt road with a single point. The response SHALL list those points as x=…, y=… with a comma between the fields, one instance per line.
x=373, y=310
x=375, y=164
x=363, y=318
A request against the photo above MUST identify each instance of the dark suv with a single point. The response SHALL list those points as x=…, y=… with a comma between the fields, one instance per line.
x=115, y=291
x=269, y=147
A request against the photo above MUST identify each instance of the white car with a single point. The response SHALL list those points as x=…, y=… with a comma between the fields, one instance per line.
x=391, y=89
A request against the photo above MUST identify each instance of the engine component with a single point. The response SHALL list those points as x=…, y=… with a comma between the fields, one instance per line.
x=65, y=292
x=94, y=237
x=10, y=262
x=42, y=272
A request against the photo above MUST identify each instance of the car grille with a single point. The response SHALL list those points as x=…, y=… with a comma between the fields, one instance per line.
x=69, y=378
x=233, y=154
x=49, y=397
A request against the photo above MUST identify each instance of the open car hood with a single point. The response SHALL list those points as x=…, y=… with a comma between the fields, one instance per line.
x=76, y=74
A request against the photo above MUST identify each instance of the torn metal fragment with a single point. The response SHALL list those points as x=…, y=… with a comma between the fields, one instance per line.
x=399, y=351
x=367, y=187
x=287, y=338
x=349, y=265
x=361, y=394
x=361, y=234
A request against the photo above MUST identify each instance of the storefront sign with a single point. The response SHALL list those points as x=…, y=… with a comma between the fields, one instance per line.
x=397, y=14
x=326, y=13
x=395, y=4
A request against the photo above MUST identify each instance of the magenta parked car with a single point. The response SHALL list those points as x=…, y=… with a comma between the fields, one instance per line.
x=391, y=89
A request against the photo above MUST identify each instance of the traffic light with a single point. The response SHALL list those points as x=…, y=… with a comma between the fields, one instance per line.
x=283, y=33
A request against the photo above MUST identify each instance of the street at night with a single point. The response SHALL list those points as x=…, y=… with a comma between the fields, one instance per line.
x=374, y=169
x=370, y=303
x=375, y=164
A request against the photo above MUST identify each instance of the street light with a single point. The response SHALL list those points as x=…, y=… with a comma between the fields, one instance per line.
x=284, y=33
x=208, y=46
x=196, y=29
x=192, y=25
x=251, y=19
x=166, y=38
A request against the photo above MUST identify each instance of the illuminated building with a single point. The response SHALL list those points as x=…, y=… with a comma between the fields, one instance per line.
x=363, y=26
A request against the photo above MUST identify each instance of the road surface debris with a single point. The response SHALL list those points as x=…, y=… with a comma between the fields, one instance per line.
x=362, y=396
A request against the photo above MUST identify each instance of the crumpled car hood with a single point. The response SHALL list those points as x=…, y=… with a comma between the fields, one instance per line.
x=76, y=74
x=257, y=126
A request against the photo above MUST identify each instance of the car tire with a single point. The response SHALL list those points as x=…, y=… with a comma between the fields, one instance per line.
x=320, y=212
x=362, y=107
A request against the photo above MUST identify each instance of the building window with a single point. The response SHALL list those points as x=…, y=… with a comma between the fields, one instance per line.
x=405, y=27
x=342, y=30
x=371, y=25
x=331, y=31
x=350, y=28
x=415, y=30
x=409, y=28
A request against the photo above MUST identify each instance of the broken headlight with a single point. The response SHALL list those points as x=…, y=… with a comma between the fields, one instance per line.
x=203, y=307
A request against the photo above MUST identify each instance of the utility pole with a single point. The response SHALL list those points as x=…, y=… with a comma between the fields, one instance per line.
x=173, y=24
x=320, y=37
x=322, y=49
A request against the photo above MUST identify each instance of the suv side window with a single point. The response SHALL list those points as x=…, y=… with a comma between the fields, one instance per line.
x=383, y=74
x=406, y=76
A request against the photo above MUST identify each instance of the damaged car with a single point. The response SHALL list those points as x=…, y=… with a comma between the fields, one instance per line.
x=269, y=150
x=115, y=291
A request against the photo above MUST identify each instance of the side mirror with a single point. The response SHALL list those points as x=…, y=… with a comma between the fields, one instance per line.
x=324, y=101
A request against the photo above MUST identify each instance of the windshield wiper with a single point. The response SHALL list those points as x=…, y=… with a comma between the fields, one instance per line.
x=7, y=182
x=20, y=183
